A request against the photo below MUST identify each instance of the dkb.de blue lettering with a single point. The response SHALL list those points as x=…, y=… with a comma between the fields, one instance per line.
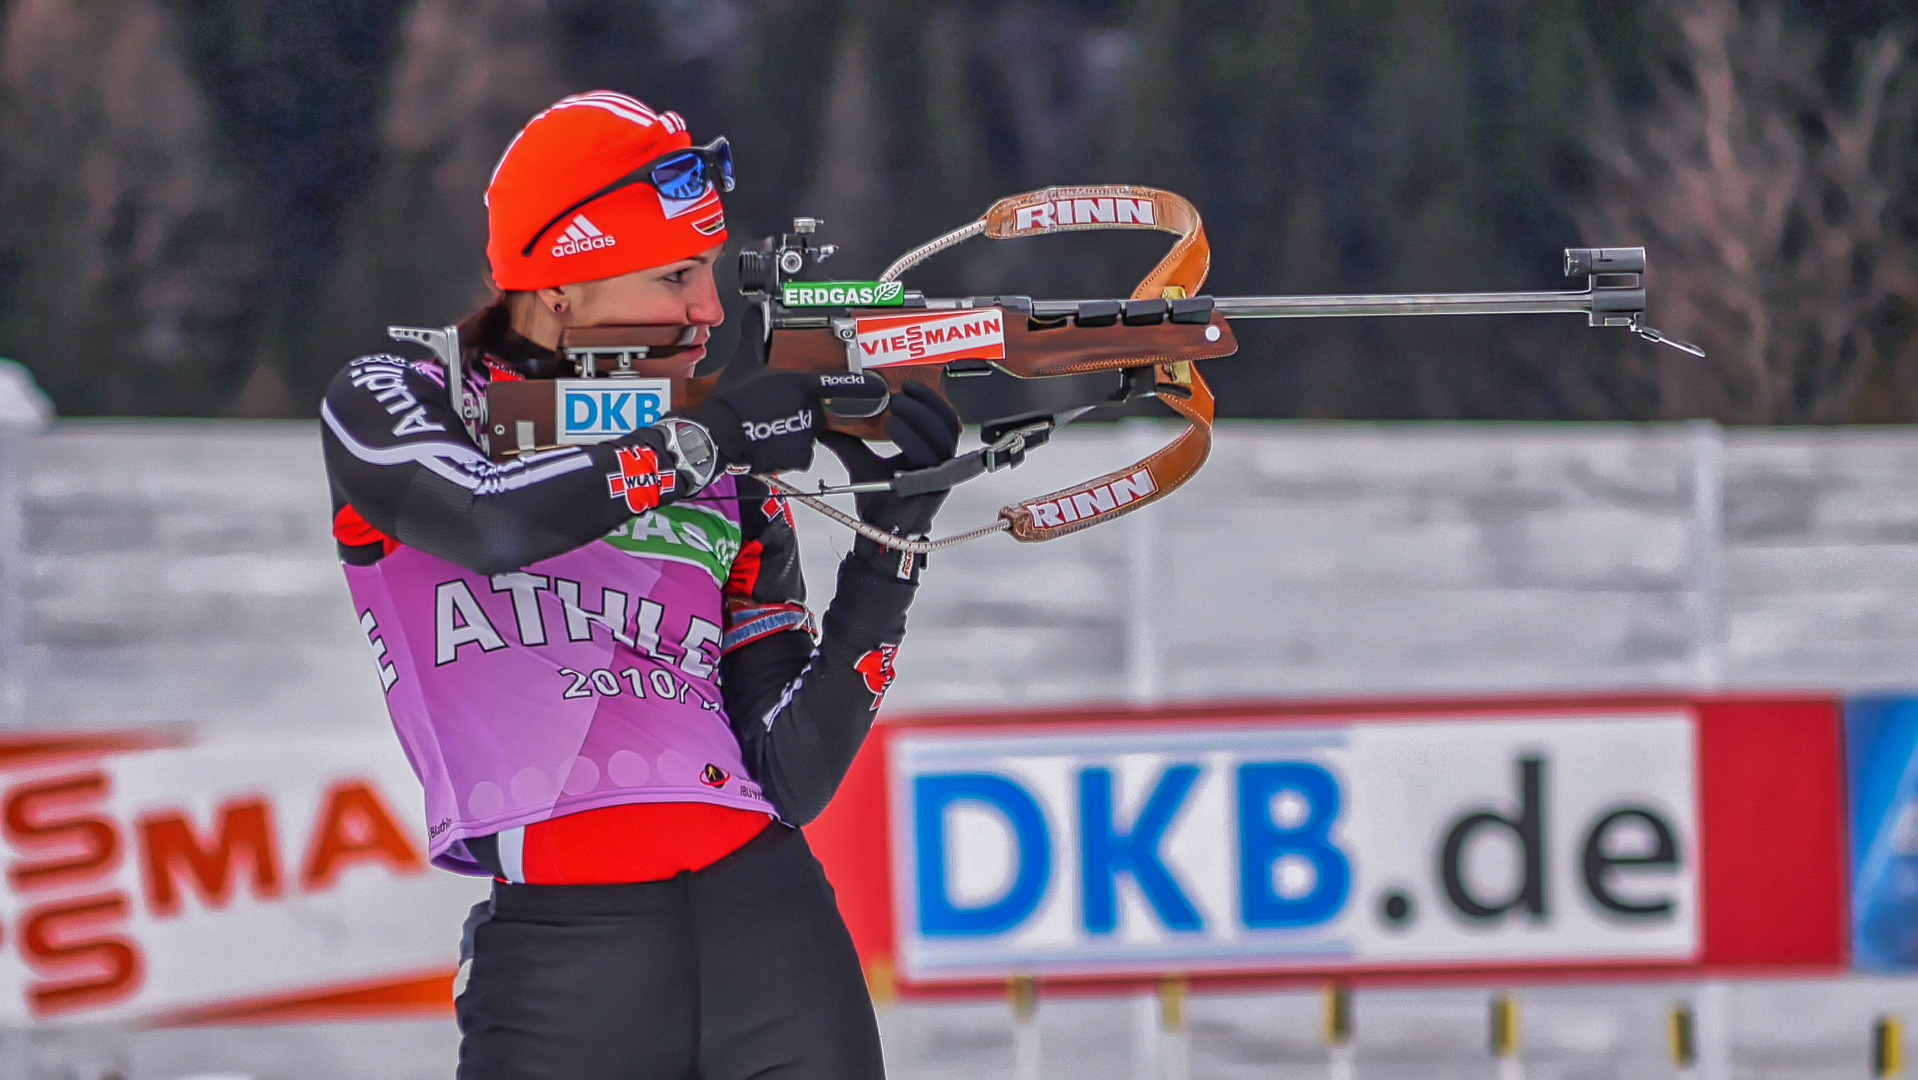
x=1109, y=850
x=607, y=411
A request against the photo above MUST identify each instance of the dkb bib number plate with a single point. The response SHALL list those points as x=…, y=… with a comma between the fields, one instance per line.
x=595, y=410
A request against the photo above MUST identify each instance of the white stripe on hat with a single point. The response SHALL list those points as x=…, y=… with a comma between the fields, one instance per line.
x=617, y=110
x=613, y=97
x=621, y=105
x=572, y=233
x=580, y=223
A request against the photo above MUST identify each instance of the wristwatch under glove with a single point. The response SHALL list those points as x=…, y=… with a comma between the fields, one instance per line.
x=695, y=458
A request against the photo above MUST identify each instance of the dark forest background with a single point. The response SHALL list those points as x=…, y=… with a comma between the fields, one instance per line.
x=207, y=206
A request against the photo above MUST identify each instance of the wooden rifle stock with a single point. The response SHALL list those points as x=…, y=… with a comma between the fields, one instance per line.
x=1034, y=349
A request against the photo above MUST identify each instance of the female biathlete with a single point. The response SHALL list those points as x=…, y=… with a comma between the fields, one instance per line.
x=598, y=659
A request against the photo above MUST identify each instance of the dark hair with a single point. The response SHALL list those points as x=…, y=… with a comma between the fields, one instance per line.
x=484, y=328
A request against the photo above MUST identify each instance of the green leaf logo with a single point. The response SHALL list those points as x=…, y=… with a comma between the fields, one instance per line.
x=843, y=294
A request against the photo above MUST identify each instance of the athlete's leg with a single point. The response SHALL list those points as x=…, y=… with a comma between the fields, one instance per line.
x=581, y=982
x=781, y=993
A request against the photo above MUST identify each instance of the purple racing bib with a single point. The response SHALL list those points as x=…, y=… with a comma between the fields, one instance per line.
x=589, y=679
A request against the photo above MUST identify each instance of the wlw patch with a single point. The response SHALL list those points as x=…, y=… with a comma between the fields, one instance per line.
x=639, y=480
x=876, y=667
x=775, y=508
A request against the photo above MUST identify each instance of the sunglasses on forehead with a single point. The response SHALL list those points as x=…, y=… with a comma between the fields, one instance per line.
x=679, y=175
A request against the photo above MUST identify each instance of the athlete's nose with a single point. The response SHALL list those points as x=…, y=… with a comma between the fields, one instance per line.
x=703, y=307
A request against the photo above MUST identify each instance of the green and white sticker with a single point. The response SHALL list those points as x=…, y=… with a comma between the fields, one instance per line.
x=682, y=533
x=844, y=294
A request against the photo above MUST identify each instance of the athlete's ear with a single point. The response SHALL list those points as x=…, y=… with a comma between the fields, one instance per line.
x=557, y=299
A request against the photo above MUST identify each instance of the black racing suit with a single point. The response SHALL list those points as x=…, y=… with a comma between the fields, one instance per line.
x=740, y=969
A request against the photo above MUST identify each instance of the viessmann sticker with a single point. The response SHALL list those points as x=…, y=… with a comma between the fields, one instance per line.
x=931, y=337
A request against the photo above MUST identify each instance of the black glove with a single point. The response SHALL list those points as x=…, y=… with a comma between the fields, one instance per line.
x=926, y=430
x=767, y=420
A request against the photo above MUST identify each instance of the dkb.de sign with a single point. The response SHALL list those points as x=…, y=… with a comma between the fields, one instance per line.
x=1476, y=837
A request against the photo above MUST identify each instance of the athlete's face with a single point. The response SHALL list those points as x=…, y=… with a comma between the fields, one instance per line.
x=681, y=293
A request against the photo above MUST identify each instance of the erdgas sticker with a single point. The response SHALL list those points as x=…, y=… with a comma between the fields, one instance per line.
x=931, y=337
x=843, y=294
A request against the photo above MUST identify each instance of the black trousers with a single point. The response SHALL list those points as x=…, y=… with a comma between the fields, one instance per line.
x=743, y=969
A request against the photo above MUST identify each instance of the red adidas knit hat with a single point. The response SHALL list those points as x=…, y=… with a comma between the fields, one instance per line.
x=565, y=154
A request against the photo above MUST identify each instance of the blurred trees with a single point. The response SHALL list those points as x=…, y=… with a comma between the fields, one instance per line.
x=124, y=253
x=321, y=167
x=1777, y=198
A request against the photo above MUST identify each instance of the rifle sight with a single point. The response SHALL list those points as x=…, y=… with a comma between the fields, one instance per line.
x=1584, y=262
x=765, y=266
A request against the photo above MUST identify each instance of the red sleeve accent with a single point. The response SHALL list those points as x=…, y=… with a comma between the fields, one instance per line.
x=351, y=529
x=745, y=575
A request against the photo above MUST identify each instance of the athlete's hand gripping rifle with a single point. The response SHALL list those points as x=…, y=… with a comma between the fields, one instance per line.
x=1149, y=339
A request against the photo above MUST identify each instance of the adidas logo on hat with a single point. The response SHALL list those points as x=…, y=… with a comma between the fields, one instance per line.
x=581, y=235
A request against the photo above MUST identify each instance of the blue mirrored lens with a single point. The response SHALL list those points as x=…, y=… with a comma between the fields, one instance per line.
x=682, y=177
x=725, y=166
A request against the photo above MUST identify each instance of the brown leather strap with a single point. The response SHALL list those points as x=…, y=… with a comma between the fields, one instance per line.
x=1181, y=272
x=1113, y=206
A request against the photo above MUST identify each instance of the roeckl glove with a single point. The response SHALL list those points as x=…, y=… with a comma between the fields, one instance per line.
x=767, y=420
x=926, y=430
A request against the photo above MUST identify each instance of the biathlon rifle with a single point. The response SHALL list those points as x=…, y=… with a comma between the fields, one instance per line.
x=1148, y=340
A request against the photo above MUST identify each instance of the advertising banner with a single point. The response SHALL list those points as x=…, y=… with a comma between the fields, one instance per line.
x=255, y=880
x=1881, y=748
x=1396, y=840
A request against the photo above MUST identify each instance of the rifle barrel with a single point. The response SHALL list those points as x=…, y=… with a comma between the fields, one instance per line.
x=1301, y=307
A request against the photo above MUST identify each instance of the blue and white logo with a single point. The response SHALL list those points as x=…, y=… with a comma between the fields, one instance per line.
x=595, y=410
x=1262, y=848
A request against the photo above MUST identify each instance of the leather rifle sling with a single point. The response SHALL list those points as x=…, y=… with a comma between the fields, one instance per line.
x=1181, y=272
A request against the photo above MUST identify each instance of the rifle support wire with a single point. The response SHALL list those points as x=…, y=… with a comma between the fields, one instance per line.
x=932, y=247
x=880, y=536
